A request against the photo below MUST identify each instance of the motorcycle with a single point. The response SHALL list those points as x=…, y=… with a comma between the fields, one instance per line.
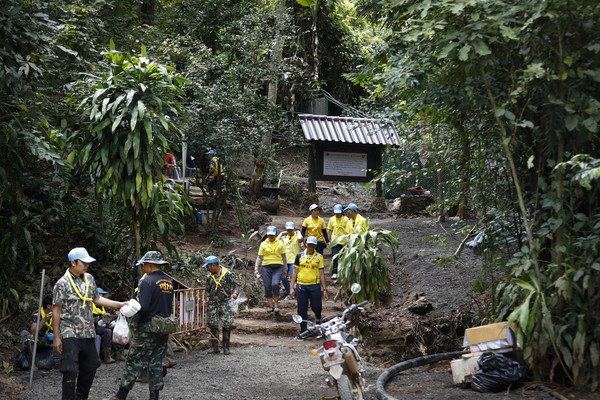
x=339, y=352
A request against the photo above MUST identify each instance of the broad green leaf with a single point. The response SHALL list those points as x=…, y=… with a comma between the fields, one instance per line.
x=463, y=54
x=481, y=48
x=571, y=122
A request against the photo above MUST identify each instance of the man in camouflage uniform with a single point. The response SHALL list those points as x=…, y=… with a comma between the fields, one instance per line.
x=73, y=325
x=155, y=296
x=221, y=287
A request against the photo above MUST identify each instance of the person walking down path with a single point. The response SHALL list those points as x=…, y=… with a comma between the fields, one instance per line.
x=292, y=240
x=314, y=225
x=73, y=325
x=215, y=175
x=356, y=222
x=336, y=227
x=221, y=287
x=271, y=256
x=308, y=281
x=155, y=296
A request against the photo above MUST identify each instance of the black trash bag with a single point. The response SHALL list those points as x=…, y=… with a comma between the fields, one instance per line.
x=496, y=372
x=46, y=358
x=23, y=361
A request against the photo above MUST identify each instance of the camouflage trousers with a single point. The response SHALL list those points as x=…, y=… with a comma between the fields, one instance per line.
x=145, y=347
x=220, y=312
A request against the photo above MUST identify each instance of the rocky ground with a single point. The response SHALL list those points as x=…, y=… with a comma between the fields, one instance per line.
x=431, y=303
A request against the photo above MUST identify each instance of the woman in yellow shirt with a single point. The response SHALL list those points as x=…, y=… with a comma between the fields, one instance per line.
x=308, y=281
x=336, y=227
x=356, y=222
x=314, y=225
x=292, y=240
x=271, y=256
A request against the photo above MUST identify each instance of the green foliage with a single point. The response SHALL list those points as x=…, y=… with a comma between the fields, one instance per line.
x=362, y=260
x=131, y=108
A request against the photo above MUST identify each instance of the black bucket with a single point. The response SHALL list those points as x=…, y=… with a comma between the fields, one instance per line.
x=270, y=192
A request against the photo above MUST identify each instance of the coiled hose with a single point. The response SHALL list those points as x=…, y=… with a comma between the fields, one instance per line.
x=403, y=366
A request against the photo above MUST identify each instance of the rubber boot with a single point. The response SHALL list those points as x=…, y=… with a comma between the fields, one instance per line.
x=121, y=395
x=153, y=395
x=214, y=341
x=119, y=355
x=106, y=357
x=226, y=337
x=169, y=360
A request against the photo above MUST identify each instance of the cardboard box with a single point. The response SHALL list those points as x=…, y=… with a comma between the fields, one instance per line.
x=490, y=337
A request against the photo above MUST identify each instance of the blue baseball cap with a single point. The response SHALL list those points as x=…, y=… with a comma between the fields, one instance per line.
x=211, y=152
x=80, y=253
x=289, y=225
x=102, y=291
x=271, y=230
x=337, y=209
x=313, y=206
x=352, y=207
x=311, y=240
x=210, y=260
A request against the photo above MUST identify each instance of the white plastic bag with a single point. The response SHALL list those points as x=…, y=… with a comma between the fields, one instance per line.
x=235, y=303
x=121, y=330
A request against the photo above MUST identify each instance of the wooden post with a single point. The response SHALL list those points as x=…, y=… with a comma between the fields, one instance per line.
x=312, y=155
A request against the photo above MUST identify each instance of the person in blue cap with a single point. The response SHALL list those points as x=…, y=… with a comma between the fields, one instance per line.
x=221, y=287
x=336, y=227
x=215, y=175
x=356, y=222
x=73, y=325
x=292, y=240
x=272, y=258
x=308, y=281
x=314, y=225
x=101, y=324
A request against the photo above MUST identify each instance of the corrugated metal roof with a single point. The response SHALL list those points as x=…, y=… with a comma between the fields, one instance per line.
x=348, y=130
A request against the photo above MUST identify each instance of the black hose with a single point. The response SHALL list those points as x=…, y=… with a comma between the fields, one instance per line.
x=403, y=366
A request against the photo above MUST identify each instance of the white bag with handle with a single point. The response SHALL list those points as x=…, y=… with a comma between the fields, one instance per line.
x=121, y=330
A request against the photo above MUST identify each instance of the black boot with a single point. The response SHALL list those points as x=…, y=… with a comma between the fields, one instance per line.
x=153, y=395
x=121, y=395
x=214, y=341
x=226, y=337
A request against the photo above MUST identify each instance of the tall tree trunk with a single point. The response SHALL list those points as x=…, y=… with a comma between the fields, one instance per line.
x=465, y=169
x=147, y=9
x=258, y=176
x=315, y=39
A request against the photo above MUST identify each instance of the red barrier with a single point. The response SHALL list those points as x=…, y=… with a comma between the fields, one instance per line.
x=189, y=306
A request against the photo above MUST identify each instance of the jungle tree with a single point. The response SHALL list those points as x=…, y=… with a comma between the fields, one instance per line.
x=532, y=69
x=127, y=116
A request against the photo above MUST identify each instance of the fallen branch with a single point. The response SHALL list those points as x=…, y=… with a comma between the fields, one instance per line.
x=460, y=246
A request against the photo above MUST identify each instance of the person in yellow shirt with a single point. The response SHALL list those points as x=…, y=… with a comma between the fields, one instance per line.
x=308, y=281
x=356, y=222
x=314, y=225
x=271, y=256
x=292, y=240
x=336, y=227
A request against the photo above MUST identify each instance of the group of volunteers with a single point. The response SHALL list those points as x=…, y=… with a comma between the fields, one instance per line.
x=70, y=318
x=281, y=259
x=67, y=319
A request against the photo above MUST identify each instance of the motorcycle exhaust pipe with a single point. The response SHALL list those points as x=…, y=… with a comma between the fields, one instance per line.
x=351, y=361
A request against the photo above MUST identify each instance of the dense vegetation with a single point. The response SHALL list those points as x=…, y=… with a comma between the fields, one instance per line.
x=503, y=95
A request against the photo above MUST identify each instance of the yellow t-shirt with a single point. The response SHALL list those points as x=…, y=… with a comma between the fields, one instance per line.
x=292, y=246
x=314, y=227
x=271, y=252
x=309, y=267
x=337, y=226
x=358, y=225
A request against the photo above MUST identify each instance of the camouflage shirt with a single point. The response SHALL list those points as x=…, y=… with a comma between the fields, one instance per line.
x=221, y=286
x=76, y=320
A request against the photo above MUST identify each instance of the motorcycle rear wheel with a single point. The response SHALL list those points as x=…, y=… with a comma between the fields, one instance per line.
x=348, y=389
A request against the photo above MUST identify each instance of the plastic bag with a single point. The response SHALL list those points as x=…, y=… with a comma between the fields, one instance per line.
x=46, y=358
x=235, y=303
x=131, y=308
x=121, y=330
x=496, y=372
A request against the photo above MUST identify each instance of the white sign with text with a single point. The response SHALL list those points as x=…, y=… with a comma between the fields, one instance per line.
x=345, y=164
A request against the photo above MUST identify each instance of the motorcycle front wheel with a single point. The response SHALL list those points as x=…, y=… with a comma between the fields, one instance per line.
x=347, y=390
